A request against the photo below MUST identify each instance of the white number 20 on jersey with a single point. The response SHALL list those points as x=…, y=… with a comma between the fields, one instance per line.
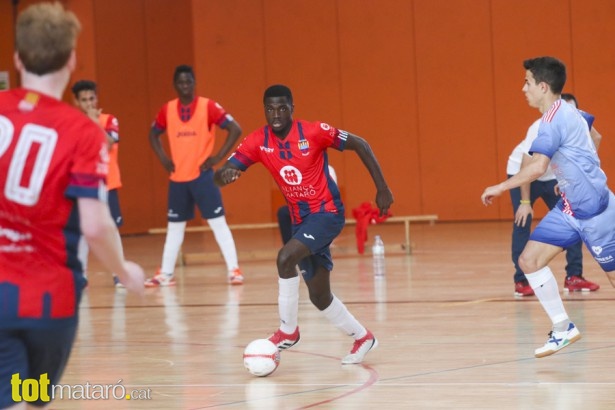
x=30, y=135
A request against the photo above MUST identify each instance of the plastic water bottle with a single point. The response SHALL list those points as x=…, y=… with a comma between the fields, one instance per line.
x=378, y=256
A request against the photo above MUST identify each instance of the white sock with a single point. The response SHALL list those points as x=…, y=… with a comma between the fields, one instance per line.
x=288, y=303
x=174, y=240
x=341, y=318
x=225, y=240
x=545, y=287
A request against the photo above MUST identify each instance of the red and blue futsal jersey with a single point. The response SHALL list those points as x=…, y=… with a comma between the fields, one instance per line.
x=298, y=164
x=50, y=155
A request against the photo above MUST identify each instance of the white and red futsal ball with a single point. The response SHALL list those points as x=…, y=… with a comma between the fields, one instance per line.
x=261, y=357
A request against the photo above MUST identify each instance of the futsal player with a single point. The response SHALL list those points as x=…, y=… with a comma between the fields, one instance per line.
x=586, y=210
x=53, y=163
x=295, y=153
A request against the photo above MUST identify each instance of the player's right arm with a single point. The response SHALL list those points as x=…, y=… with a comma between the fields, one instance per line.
x=154, y=140
x=158, y=128
x=100, y=232
x=226, y=174
x=536, y=166
x=244, y=156
x=525, y=207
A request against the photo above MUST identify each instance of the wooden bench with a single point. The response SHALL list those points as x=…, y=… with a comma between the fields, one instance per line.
x=406, y=220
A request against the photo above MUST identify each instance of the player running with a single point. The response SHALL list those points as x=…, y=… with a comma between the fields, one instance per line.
x=295, y=153
x=586, y=210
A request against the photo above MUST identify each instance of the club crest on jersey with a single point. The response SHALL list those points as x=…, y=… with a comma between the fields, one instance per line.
x=291, y=175
x=304, y=147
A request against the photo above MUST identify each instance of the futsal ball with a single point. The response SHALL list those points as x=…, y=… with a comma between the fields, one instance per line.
x=261, y=357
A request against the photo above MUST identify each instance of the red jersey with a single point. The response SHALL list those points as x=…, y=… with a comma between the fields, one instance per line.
x=50, y=155
x=190, y=129
x=298, y=164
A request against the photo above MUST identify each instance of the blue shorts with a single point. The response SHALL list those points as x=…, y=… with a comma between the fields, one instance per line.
x=597, y=232
x=317, y=231
x=114, y=206
x=202, y=192
x=32, y=353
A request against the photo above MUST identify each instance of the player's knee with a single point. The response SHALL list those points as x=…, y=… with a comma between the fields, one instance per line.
x=527, y=263
x=321, y=300
x=286, y=263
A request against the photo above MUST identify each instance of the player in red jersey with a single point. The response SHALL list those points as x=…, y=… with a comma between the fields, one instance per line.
x=53, y=162
x=189, y=122
x=295, y=153
x=86, y=99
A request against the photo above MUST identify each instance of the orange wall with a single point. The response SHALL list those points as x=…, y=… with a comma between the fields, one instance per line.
x=6, y=41
x=433, y=85
x=7, y=37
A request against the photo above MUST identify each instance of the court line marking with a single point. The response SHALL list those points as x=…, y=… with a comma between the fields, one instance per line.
x=371, y=380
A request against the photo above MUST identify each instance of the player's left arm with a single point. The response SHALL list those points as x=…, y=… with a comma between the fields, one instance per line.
x=112, y=131
x=384, y=196
x=233, y=132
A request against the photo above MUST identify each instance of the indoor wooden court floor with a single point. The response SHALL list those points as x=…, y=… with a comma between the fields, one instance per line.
x=451, y=333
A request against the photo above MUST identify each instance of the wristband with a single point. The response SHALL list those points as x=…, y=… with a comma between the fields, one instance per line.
x=525, y=202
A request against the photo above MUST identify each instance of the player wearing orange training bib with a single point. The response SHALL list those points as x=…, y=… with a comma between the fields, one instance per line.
x=189, y=122
x=85, y=93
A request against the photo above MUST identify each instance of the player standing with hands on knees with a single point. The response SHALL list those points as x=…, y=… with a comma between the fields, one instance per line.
x=53, y=163
x=295, y=153
x=586, y=210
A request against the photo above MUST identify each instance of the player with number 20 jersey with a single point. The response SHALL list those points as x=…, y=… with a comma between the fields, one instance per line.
x=49, y=150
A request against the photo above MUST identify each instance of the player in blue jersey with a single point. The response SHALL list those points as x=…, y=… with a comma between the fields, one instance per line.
x=523, y=199
x=295, y=153
x=586, y=210
x=596, y=136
